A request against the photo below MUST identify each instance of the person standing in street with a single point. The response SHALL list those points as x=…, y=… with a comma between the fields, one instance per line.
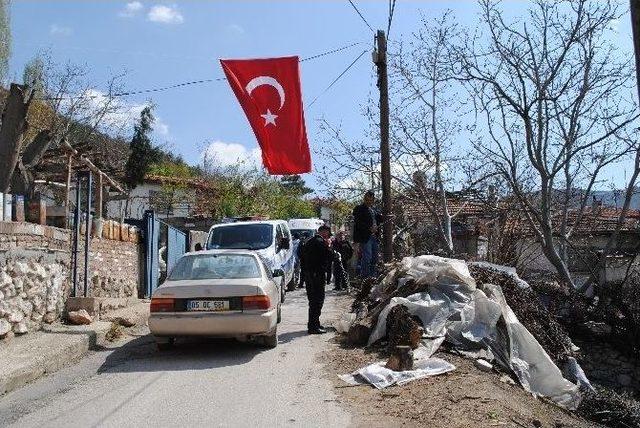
x=365, y=229
x=330, y=264
x=340, y=265
x=316, y=255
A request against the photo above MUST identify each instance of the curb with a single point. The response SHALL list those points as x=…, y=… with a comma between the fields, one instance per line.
x=54, y=348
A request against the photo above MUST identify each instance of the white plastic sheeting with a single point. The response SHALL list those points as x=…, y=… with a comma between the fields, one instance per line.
x=471, y=320
x=511, y=271
x=381, y=377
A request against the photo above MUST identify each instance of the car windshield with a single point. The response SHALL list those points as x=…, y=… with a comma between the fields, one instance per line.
x=245, y=236
x=215, y=266
x=302, y=233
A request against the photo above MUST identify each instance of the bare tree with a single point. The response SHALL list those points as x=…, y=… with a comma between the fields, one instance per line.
x=426, y=122
x=67, y=107
x=555, y=95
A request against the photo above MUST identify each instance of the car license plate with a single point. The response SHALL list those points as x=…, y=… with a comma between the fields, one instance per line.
x=208, y=305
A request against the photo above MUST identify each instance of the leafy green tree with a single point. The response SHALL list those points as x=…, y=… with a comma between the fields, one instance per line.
x=295, y=183
x=143, y=153
x=33, y=74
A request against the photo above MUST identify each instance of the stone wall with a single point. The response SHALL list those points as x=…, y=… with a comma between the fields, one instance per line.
x=114, y=268
x=606, y=366
x=35, y=273
x=34, y=276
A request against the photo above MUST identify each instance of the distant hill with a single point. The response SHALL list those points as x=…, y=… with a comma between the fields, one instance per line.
x=615, y=198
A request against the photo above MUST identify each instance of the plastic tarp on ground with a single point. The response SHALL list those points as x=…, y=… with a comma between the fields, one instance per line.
x=453, y=308
x=381, y=377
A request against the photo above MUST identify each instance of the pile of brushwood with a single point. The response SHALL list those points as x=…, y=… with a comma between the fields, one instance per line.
x=603, y=406
x=529, y=309
x=610, y=408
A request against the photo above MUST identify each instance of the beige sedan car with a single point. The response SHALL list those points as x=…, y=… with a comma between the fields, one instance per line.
x=217, y=293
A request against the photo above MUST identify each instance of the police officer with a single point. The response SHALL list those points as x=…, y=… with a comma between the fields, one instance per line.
x=316, y=255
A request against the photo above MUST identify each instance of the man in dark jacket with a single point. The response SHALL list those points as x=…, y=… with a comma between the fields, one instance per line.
x=365, y=228
x=316, y=256
x=340, y=267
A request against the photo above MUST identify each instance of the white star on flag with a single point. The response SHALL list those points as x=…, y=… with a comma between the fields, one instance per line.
x=269, y=118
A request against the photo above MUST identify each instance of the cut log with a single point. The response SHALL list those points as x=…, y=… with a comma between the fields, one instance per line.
x=401, y=359
x=402, y=329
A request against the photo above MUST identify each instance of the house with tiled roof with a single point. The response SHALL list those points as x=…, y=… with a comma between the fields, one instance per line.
x=498, y=231
x=470, y=223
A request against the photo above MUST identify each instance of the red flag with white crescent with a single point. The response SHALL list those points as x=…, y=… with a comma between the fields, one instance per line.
x=270, y=95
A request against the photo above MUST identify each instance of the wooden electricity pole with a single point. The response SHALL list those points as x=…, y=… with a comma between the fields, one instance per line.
x=635, y=26
x=380, y=60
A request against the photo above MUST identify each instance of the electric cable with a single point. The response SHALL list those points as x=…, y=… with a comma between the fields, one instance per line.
x=392, y=8
x=361, y=16
x=336, y=79
x=193, y=82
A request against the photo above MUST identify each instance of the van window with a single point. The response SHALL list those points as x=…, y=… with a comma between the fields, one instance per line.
x=245, y=236
x=279, y=235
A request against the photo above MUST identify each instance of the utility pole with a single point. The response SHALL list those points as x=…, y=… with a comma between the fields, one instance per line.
x=634, y=6
x=380, y=60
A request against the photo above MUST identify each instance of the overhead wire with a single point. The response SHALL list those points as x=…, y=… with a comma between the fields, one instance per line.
x=337, y=78
x=193, y=82
x=392, y=8
x=361, y=16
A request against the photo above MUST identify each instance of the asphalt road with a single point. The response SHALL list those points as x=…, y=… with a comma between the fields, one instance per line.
x=199, y=383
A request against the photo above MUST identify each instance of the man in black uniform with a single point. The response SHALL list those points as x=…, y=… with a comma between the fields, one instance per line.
x=316, y=256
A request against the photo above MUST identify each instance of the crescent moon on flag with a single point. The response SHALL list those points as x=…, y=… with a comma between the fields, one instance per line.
x=266, y=80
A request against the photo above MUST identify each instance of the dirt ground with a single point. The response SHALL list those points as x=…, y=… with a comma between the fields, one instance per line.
x=465, y=397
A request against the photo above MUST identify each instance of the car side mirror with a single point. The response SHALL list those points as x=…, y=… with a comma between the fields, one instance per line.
x=285, y=244
x=277, y=273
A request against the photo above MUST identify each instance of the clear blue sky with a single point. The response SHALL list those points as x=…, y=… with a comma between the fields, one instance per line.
x=162, y=43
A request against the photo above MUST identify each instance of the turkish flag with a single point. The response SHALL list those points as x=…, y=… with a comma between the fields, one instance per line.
x=270, y=95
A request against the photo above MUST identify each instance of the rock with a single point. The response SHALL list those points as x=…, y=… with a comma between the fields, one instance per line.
x=125, y=321
x=483, y=365
x=26, y=307
x=49, y=317
x=5, y=279
x=5, y=327
x=7, y=337
x=507, y=379
x=20, y=328
x=80, y=317
x=401, y=359
x=20, y=268
x=15, y=316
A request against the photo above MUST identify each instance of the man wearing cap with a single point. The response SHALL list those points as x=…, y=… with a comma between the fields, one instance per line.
x=316, y=256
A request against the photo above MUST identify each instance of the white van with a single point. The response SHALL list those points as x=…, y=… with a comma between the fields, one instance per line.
x=271, y=239
x=301, y=230
x=304, y=226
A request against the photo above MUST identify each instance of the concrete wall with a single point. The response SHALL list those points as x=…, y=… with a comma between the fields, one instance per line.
x=35, y=273
x=140, y=201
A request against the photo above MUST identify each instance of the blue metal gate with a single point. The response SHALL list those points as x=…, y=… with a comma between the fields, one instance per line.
x=164, y=244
